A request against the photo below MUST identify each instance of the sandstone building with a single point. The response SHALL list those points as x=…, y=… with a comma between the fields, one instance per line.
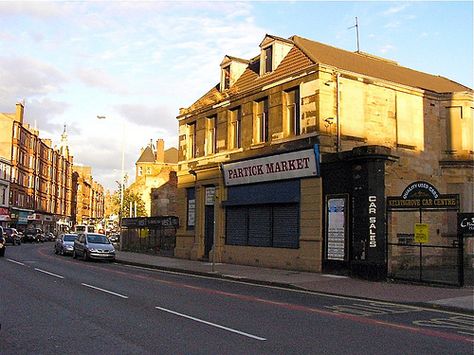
x=294, y=153
x=155, y=178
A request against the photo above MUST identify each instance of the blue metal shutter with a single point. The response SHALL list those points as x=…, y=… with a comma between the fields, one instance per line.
x=286, y=226
x=260, y=226
x=236, y=225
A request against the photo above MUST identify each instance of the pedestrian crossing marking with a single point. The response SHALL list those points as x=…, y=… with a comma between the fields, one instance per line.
x=462, y=324
x=372, y=309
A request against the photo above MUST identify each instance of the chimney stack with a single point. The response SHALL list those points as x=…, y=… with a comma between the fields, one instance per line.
x=160, y=151
x=20, y=109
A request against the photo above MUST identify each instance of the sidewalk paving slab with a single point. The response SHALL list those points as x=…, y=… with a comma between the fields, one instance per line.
x=446, y=298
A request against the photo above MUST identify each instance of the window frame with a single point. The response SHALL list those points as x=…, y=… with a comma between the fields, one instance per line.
x=191, y=140
x=268, y=59
x=261, y=134
x=235, y=127
x=292, y=124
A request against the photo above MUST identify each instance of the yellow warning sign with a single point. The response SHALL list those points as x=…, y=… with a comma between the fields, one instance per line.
x=421, y=233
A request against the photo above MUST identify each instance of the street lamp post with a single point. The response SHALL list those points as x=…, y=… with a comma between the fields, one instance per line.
x=122, y=177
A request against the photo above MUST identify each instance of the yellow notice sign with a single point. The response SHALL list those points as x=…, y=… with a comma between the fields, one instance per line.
x=421, y=233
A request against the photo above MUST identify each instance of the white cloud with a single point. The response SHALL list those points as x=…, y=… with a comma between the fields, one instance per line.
x=27, y=78
x=98, y=78
x=395, y=9
x=386, y=48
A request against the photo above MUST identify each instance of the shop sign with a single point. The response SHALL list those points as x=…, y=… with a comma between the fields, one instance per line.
x=150, y=222
x=421, y=233
x=34, y=217
x=23, y=217
x=276, y=167
x=372, y=221
x=466, y=223
x=423, y=195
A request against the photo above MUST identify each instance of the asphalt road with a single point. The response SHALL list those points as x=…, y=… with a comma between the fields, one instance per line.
x=56, y=305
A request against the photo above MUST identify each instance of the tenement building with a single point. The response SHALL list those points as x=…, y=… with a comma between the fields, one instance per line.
x=40, y=178
x=298, y=157
x=88, y=199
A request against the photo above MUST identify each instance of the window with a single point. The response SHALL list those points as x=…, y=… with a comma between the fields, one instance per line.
x=211, y=135
x=268, y=57
x=191, y=143
x=3, y=195
x=148, y=170
x=140, y=171
x=291, y=112
x=261, y=121
x=454, y=128
x=235, y=128
x=226, y=78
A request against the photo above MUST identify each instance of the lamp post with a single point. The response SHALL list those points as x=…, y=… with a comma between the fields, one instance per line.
x=122, y=176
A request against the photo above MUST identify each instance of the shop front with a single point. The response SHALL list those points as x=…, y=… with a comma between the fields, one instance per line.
x=272, y=211
x=4, y=216
x=354, y=212
x=19, y=218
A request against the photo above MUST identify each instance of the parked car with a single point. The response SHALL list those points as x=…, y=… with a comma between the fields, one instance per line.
x=93, y=246
x=49, y=237
x=114, y=238
x=2, y=243
x=34, y=235
x=65, y=244
x=12, y=236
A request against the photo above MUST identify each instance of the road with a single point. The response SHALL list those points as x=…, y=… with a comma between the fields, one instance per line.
x=52, y=304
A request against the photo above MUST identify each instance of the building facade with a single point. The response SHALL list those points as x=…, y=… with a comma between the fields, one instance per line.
x=154, y=174
x=88, y=197
x=5, y=172
x=40, y=184
x=289, y=160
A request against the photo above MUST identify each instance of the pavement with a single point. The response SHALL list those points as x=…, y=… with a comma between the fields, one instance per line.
x=460, y=299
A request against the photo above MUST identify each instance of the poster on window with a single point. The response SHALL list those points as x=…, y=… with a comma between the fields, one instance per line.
x=191, y=212
x=336, y=229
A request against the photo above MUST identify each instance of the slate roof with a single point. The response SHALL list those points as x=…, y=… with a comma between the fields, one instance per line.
x=306, y=53
x=147, y=156
x=378, y=68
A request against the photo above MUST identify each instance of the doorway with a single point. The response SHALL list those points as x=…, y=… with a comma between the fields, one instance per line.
x=208, y=230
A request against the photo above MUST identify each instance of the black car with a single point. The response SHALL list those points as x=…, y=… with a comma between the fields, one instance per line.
x=2, y=243
x=12, y=236
x=34, y=235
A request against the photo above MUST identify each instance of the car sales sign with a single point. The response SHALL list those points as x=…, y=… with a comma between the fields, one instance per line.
x=292, y=165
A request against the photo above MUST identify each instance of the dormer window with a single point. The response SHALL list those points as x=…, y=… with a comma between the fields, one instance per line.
x=268, y=56
x=231, y=70
x=272, y=51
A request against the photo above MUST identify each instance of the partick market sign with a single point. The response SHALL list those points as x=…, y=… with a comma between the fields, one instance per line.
x=423, y=195
x=292, y=165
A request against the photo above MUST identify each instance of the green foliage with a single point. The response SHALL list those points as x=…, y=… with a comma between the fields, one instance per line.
x=128, y=197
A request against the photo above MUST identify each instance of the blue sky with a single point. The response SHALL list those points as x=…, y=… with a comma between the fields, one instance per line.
x=138, y=62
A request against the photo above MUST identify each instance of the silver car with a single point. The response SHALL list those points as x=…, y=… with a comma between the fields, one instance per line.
x=93, y=246
x=65, y=244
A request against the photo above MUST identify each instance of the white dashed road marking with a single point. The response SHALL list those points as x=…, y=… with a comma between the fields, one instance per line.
x=212, y=324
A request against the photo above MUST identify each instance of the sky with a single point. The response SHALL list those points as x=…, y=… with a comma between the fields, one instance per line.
x=138, y=62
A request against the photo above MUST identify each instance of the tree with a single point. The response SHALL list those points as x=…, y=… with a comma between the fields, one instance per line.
x=128, y=197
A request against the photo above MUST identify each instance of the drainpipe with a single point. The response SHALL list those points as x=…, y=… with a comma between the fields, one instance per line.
x=338, y=128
